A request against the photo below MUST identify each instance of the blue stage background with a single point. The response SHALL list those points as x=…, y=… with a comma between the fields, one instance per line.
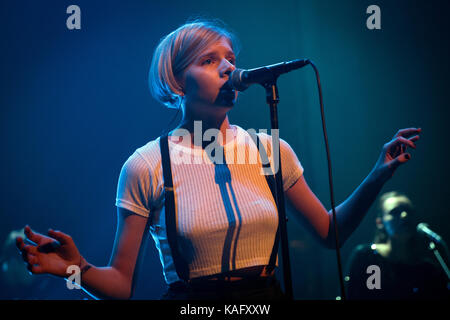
x=75, y=104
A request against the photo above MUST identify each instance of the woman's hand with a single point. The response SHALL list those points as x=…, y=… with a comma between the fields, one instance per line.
x=52, y=254
x=394, y=152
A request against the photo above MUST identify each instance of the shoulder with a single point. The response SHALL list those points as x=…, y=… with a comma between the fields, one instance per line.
x=143, y=160
x=140, y=179
x=148, y=154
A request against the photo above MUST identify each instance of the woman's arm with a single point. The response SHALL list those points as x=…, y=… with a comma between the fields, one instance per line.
x=350, y=213
x=114, y=281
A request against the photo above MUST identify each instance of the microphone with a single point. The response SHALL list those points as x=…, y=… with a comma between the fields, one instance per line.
x=241, y=79
x=433, y=236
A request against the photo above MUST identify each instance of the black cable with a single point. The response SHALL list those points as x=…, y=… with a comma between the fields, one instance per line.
x=330, y=178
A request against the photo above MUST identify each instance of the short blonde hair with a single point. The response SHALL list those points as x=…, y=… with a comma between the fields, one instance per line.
x=176, y=51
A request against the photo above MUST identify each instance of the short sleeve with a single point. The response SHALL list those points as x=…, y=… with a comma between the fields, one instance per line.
x=291, y=167
x=133, y=189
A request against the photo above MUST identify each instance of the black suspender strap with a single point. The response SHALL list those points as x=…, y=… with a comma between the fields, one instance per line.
x=272, y=185
x=181, y=265
x=170, y=215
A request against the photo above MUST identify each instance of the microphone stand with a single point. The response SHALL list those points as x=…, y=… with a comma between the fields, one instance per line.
x=432, y=247
x=272, y=100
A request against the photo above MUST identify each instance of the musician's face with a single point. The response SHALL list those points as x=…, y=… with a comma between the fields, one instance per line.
x=398, y=216
x=203, y=81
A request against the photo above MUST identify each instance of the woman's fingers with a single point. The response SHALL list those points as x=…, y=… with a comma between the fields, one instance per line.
x=49, y=246
x=29, y=255
x=400, y=141
x=19, y=243
x=36, y=250
x=60, y=236
x=33, y=236
x=32, y=259
x=407, y=132
x=396, y=162
x=404, y=157
x=415, y=138
x=394, y=152
x=25, y=248
x=35, y=269
x=39, y=241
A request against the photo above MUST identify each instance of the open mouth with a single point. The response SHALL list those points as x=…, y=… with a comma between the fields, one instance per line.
x=227, y=89
x=227, y=86
x=227, y=97
x=227, y=93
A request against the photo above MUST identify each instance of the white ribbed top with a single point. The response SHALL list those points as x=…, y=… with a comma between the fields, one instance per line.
x=226, y=215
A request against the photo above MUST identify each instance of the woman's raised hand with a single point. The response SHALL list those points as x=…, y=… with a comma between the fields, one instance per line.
x=394, y=152
x=51, y=254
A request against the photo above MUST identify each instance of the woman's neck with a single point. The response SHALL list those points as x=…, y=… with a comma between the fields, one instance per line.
x=199, y=124
x=220, y=123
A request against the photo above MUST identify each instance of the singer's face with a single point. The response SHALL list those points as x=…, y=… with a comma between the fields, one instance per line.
x=204, y=80
x=398, y=217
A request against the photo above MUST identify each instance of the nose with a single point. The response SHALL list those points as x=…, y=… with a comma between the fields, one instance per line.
x=227, y=68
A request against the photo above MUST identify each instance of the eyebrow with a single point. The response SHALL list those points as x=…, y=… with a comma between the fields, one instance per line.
x=215, y=52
